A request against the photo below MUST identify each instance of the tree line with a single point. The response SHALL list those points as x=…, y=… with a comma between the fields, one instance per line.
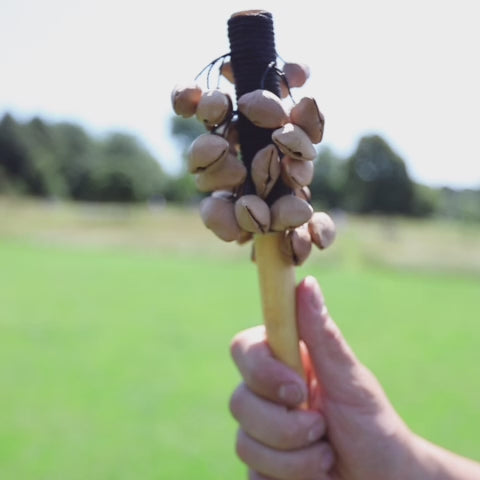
x=61, y=160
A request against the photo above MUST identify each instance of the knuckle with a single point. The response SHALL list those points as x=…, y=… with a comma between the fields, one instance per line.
x=263, y=381
x=314, y=462
x=244, y=340
x=292, y=435
x=236, y=346
x=257, y=476
x=256, y=368
x=287, y=434
x=297, y=468
x=236, y=401
x=256, y=376
x=241, y=446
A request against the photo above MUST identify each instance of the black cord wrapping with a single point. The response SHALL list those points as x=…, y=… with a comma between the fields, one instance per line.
x=252, y=54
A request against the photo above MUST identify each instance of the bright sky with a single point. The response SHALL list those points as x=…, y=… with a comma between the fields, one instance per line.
x=408, y=70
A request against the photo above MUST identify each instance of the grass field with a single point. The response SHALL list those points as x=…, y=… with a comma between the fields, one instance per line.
x=115, y=325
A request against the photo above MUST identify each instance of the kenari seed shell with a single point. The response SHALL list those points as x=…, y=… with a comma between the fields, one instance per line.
x=232, y=137
x=244, y=237
x=308, y=117
x=207, y=152
x=185, y=99
x=304, y=193
x=289, y=212
x=228, y=176
x=253, y=214
x=322, y=229
x=227, y=71
x=218, y=215
x=265, y=170
x=296, y=244
x=283, y=89
x=296, y=173
x=214, y=108
x=263, y=108
x=294, y=142
x=297, y=74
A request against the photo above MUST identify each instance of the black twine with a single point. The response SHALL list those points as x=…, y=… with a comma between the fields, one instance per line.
x=253, y=56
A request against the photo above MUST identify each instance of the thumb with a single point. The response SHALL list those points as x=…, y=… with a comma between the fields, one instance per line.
x=340, y=375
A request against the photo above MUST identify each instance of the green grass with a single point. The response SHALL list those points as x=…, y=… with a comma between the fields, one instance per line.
x=114, y=362
x=114, y=365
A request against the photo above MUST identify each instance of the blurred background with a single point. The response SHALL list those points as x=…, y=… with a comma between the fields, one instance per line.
x=117, y=306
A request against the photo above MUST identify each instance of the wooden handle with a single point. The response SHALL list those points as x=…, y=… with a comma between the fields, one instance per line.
x=277, y=288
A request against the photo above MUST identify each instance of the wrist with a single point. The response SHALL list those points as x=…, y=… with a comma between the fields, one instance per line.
x=432, y=462
x=411, y=458
x=423, y=462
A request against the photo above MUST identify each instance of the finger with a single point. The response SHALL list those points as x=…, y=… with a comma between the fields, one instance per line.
x=253, y=475
x=275, y=425
x=312, y=462
x=342, y=377
x=263, y=374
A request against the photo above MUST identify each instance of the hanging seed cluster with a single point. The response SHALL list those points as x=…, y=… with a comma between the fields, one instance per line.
x=241, y=202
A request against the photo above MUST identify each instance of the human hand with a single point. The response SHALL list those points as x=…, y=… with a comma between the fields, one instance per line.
x=350, y=432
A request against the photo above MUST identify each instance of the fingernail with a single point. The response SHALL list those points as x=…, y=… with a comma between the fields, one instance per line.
x=316, y=432
x=290, y=393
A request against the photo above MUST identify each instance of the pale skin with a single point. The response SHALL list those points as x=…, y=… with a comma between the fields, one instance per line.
x=350, y=431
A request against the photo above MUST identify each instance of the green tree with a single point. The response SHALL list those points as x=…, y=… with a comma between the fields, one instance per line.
x=47, y=178
x=181, y=187
x=377, y=180
x=77, y=159
x=126, y=172
x=185, y=130
x=62, y=160
x=426, y=200
x=328, y=182
x=459, y=204
x=14, y=159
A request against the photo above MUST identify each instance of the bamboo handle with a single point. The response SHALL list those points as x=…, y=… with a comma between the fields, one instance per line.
x=277, y=288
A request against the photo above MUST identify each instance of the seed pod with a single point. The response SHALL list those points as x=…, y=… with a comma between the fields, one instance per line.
x=185, y=99
x=253, y=214
x=283, y=89
x=218, y=215
x=308, y=117
x=214, y=108
x=265, y=170
x=296, y=173
x=230, y=174
x=227, y=71
x=232, y=137
x=322, y=229
x=263, y=108
x=207, y=152
x=304, y=193
x=244, y=237
x=225, y=194
x=294, y=142
x=296, y=244
x=289, y=212
x=297, y=74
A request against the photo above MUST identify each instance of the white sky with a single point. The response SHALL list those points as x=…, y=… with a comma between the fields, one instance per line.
x=408, y=70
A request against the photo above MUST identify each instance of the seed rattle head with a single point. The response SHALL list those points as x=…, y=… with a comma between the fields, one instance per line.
x=256, y=156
